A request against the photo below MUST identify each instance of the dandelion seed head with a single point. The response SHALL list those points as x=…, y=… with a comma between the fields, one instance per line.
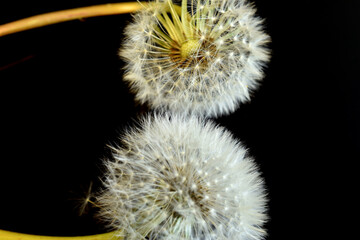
x=189, y=198
x=190, y=42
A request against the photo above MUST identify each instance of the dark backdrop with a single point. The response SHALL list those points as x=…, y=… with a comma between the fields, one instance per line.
x=63, y=101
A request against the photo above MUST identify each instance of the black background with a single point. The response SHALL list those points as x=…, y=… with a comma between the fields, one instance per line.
x=63, y=101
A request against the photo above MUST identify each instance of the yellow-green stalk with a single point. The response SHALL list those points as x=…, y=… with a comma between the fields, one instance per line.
x=7, y=235
x=68, y=15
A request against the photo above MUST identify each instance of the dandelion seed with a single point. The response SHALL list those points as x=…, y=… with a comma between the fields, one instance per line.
x=179, y=202
x=189, y=43
x=84, y=202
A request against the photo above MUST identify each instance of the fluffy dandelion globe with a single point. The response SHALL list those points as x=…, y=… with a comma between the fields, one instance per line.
x=178, y=178
x=204, y=57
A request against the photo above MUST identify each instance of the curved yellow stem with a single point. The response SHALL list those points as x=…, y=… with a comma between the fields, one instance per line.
x=68, y=15
x=7, y=235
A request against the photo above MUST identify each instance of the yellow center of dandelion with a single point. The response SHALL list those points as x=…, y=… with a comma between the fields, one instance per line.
x=177, y=35
x=188, y=48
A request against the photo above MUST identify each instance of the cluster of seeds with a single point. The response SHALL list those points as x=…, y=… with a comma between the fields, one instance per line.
x=180, y=178
x=204, y=57
x=176, y=176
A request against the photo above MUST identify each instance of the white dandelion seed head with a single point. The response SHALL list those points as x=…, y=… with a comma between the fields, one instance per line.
x=167, y=181
x=204, y=57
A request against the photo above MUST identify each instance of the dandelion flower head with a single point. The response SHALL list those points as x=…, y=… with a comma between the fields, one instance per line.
x=204, y=57
x=182, y=178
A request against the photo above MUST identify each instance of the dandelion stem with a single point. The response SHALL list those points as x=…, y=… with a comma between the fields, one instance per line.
x=7, y=235
x=68, y=15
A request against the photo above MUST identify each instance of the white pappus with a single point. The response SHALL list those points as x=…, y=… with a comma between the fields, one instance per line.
x=204, y=57
x=177, y=177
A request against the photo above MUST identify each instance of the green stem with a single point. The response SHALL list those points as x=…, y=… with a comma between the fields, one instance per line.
x=7, y=235
x=68, y=15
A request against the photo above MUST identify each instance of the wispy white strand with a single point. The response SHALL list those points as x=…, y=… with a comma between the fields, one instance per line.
x=177, y=177
x=211, y=75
